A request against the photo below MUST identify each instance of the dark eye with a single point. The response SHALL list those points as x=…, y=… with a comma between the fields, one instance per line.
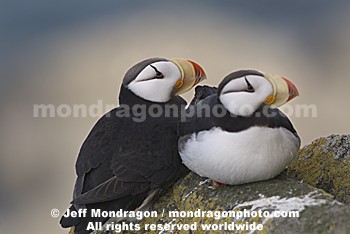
x=159, y=75
x=250, y=88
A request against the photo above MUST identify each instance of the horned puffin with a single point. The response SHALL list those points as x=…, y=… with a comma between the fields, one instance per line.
x=125, y=163
x=243, y=137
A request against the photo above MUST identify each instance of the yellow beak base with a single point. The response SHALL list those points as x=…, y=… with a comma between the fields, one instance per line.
x=283, y=91
x=191, y=75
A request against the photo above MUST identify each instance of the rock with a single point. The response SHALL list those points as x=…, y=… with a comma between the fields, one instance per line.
x=318, y=212
x=325, y=164
x=193, y=201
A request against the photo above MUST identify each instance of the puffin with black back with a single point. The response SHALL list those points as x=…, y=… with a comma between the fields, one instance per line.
x=243, y=137
x=126, y=162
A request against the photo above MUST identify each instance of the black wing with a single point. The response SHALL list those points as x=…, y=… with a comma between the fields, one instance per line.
x=98, y=146
x=93, y=166
x=122, y=157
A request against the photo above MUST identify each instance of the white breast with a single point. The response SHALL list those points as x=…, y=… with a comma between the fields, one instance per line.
x=258, y=153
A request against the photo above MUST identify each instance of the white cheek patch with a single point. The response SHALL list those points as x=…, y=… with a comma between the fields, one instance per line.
x=239, y=101
x=228, y=100
x=264, y=88
x=146, y=86
x=168, y=69
x=145, y=75
x=154, y=90
x=235, y=85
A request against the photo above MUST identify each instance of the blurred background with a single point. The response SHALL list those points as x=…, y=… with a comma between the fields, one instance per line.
x=76, y=52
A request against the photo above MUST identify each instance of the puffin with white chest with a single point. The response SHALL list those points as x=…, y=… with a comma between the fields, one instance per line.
x=237, y=135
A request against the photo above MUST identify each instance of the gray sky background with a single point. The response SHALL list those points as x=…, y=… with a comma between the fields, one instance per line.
x=76, y=52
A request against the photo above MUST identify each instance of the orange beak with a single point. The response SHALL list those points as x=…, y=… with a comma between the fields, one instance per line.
x=191, y=75
x=283, y=91
x=199, y=73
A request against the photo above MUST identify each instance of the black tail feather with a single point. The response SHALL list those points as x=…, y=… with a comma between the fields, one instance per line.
x=202, y=92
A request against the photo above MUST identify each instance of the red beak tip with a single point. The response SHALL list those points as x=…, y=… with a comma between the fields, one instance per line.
x=293, y=91
x=200, y=73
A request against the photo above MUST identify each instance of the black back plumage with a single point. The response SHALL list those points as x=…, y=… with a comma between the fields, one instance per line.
x=123, y=158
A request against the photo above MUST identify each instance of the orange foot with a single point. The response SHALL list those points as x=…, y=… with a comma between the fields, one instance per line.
x=215, y=183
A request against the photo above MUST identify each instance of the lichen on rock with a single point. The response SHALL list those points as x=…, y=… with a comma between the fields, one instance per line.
x=318, y=212
x=338, y=145
x=325, y=164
